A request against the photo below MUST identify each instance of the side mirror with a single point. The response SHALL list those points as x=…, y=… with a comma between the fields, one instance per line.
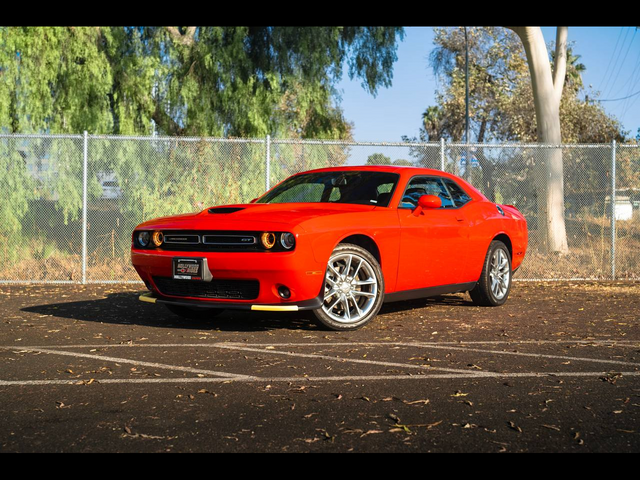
x=426, y=202
x=430, y=201
x=253, y=201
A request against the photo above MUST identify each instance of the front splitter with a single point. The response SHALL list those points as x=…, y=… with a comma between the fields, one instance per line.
x=312, y=304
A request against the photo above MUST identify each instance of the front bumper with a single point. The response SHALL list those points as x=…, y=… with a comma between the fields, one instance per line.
x=299, y=271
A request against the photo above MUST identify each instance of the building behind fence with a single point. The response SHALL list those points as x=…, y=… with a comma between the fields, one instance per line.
x=70, y=202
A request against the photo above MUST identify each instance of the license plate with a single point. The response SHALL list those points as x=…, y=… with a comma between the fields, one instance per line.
x=187, y=269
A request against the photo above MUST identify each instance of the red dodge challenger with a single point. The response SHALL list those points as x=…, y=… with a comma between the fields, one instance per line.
x=337, y=241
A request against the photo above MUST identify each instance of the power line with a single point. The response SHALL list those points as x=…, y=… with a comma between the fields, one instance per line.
x=618, y=99
x=609, y=72
x=632, y=85
x=624, y=59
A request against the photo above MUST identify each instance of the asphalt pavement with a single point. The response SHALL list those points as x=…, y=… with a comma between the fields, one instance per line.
x=92, y=369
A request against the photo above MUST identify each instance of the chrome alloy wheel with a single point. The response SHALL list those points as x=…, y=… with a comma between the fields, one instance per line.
x=350, y=288
x=499, y=273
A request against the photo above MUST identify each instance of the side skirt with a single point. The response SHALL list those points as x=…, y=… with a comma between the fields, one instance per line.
x=428, y=292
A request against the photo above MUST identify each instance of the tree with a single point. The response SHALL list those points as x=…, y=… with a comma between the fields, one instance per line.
x=189, y=81
x=403, y=162
x=173, y=81
x=502, y=109
x=378, y=159
x=547, y=88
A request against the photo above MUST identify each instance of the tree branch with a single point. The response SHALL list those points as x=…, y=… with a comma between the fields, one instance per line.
x=560, y=65
x=186, y=39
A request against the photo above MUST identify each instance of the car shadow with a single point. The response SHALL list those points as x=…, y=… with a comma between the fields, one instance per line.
x=459, y=300
x=124, y=308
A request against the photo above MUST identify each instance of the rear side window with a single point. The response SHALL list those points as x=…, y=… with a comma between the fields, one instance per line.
x=459, y=196
x=419, y=186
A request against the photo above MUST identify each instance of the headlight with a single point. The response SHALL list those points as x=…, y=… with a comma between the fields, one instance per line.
x=288, y=240
x=157, y=238
x=143, y=239
x=268, y=240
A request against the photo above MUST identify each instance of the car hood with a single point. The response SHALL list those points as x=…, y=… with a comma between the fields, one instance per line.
x=255, y=216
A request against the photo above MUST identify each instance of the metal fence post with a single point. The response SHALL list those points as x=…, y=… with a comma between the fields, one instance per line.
x=442, y=154
x=613, y=210
x=84, y=206
x=268, y=163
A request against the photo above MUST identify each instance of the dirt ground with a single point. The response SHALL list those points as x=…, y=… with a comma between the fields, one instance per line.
x=90, y=368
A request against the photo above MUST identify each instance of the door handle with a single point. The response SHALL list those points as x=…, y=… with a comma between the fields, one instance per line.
x=459, y=218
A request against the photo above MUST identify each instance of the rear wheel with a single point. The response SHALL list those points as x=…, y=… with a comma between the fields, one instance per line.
x=353, y=289
x=495, y=281
x=194, y=313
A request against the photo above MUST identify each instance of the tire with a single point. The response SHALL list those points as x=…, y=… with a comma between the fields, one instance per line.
x=494, y=285
x=194, y=313
x=353, y=289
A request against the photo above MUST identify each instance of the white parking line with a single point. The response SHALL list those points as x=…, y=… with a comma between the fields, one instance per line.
x=524, y=354
x=421, y=345
x=450, y=373
x=346, y=360
x=226, y=375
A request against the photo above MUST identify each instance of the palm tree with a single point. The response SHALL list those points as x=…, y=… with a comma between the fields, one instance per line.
x=573, y=77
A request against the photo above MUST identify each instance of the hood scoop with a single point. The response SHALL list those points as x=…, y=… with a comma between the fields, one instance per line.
x=225, y=209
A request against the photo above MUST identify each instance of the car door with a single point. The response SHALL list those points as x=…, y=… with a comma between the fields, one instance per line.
x=432, y=242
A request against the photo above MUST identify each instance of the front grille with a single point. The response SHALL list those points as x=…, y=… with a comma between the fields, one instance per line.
x=217, y=241
x=212, y=241
x=223, y=289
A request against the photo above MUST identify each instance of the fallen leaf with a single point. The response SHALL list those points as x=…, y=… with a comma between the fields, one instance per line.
x=552, y=427
x=515, y=427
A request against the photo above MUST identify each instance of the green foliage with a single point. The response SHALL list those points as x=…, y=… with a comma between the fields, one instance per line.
x=403, y=162
x=378, y=159
x=195, y=81
x=17, y=188
x=289, y=157
x=54, y=79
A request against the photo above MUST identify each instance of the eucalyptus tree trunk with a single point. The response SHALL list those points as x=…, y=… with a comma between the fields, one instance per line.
x=547, y=91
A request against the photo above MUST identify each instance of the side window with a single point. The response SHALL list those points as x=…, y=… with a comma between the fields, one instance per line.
x=459, y=196
x=419, y=186
x=385, y=188
x=335, y=194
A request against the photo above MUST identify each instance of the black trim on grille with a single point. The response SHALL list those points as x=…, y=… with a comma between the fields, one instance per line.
x=217, y=288
x=179, y=239
x=215, y=241
x=228, y=240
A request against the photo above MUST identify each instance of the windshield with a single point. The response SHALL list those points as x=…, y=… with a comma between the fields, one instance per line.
x=363, y=188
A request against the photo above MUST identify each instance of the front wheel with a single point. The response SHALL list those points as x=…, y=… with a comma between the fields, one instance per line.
x=495, y=281
x=353, y=289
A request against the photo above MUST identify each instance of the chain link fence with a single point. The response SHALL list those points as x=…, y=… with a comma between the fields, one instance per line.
x=70, y=202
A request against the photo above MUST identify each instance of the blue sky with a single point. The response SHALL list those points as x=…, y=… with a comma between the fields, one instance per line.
x=611, y=55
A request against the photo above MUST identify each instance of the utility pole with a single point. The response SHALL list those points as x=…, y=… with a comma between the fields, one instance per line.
x=467, y=168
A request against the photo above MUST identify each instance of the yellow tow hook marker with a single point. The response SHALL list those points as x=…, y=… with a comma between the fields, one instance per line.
x=275, y=308
x=146, y=297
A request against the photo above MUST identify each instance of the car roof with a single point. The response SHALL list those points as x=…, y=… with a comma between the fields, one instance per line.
x=375, y=168
x=404, y=171
x=386, y=168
